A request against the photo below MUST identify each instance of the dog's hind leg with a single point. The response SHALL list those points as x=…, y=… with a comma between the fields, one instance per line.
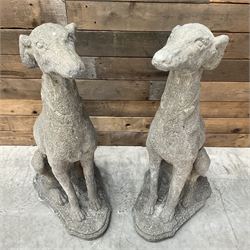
x=200, y=168
x=202, y=162
x=40, y=164
x=181, y=171
x=154, y=167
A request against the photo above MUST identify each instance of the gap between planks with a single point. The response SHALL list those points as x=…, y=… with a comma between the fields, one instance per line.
x=12, y=107
x=131, y=124
x=121, y=90
x=129, y=139
x=127, y=69
x=123, y=43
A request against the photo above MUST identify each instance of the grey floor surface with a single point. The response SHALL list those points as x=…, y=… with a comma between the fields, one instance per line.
x=224, y=223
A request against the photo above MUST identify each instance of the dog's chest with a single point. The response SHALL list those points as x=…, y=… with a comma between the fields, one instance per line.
x=170, y=136
x=68, y=140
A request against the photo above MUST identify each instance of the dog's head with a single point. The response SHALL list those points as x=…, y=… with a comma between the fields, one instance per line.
x=52, y=48
x=191, y=47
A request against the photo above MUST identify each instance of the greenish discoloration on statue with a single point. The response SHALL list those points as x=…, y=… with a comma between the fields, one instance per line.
x=63, y=131
x=176, y=135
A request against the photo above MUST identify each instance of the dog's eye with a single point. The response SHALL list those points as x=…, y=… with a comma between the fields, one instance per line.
x=200, y=44
x=39, y=45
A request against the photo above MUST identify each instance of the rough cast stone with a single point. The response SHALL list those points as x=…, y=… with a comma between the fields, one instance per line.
x=64, y=134
x=174, y=187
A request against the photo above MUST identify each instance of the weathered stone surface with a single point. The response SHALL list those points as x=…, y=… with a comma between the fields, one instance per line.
x=158, y=227
x=63, y=131
x=95, y=223
x=176, y=134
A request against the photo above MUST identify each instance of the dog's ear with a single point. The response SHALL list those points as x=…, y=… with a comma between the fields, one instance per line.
x=71, y=28
x=25, y=51
x=176, y=28
x=218, y=48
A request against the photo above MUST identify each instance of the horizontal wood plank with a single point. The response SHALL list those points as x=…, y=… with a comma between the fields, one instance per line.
x=129, y=139
x=15, y=13
x=126, y=69
x=127, y=108
x=227, y=140
x=88, y=89
x=121, y=90
x=123, y=44
x=131, y=124
x=31, y=13
x=210, y=91
x=145, y=44
x=16, y=138
x=177, y=1
x=228, y=1
x=225, y=109
x=136, y=16
x=139, y=139
x=162, y=1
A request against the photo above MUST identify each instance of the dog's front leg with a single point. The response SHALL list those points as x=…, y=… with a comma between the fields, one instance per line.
x=60, y=170
x=154, y=167
x=88, y=169
x=181, y=171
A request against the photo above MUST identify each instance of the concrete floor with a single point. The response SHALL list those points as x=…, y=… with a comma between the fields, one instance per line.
x=224, y=223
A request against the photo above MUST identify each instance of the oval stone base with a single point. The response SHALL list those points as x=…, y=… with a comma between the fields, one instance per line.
x=95, y=223
x=155, y=227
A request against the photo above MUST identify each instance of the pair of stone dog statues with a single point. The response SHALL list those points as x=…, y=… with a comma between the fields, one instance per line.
x=68, y=180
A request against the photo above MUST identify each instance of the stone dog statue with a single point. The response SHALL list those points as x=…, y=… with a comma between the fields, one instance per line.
x=63, y=131
x=176, y=137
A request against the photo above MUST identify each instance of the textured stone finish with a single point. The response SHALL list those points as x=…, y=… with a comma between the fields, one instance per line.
x=64, y=134
x=176, y=136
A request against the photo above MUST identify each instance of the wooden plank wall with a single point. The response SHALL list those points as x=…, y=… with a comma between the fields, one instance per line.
x=120, y=88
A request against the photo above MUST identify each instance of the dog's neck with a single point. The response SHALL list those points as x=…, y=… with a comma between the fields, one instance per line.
x=182, y=91
x=60, y=95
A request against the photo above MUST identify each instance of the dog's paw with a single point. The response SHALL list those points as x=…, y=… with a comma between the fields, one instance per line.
x=95, y=204
x=168, y=214
x=77, y=214
x=186, y=201
x=59, y=196
x=149, y=208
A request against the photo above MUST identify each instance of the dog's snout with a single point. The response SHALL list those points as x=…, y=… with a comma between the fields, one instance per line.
x=72, y=72
x=154, y=62
x=158, y=57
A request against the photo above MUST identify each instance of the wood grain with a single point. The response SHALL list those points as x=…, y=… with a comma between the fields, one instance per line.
x=88, y=89
x=31, y=13
x=127, y=108
x=127, y=69
x=145, y=44
x=210, y=91
x=134, y=16
x=131, y=124
x=129, y=139
x=228, y=1
x=123, y=44
x=15, y=13
x=139, y=139
x=16, y=138
x=121, y=90
x=162, y=1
